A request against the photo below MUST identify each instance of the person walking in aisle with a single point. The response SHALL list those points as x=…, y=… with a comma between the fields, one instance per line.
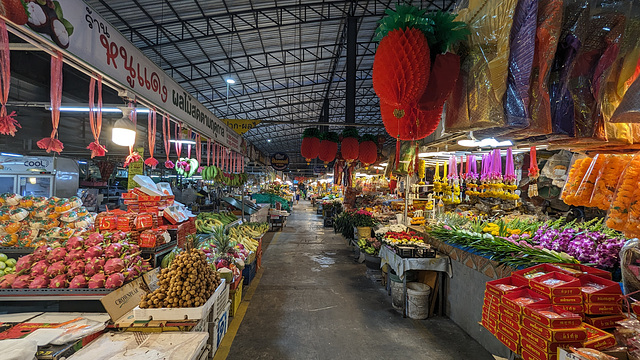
x=297, y=196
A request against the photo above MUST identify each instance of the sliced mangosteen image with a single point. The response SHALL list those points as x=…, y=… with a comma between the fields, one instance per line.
x=38, y=18
x=59, y=33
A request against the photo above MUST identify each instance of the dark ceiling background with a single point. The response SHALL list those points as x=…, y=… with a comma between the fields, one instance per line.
x=288, y=58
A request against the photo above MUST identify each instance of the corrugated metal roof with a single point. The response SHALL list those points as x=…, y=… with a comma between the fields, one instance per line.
x=287, y=57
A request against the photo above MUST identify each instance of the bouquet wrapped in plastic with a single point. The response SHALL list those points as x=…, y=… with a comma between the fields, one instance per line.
x=624, y=212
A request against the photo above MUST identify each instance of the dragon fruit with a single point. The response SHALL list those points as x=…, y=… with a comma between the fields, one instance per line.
x=76, y=268
x=146, y=266
x=94, y=266
x=41, y=252
x=7, y=281
x=114, y=265
x=75, y=243
x=114, y=250
x=58, y=282
x=39, y=268
x=56, y=254
x=118, y=236
x=39, y=282
x=56, y=269
x=130, y=274
x=79, y=281
x=24, y=263
x=74, y=255
x=134, y=249
x=21, y=282
x=97, y=281
x=94, y=239
x=94, y=252
x=114, y=281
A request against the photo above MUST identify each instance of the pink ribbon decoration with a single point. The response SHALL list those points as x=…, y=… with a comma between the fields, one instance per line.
x=52, y=143
x=189, y=145
x=509, y=168
x=95, y=117
x=151, y=138
x=166, y=139
x=199, y=152
x=178, y=128
x=208, y=151
x=8, y=123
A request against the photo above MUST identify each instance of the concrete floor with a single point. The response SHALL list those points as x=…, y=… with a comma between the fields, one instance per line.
x=314, y=301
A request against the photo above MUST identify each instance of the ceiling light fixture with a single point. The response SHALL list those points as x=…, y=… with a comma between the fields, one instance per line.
x=184, y=142
x=489, y=142
x=230, y=81
x=10, y=154
x=104, y=109
x=384, y=164
x=124, y=131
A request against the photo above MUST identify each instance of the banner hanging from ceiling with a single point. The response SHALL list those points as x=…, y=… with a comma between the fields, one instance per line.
x=78, y=30
x=241, y=126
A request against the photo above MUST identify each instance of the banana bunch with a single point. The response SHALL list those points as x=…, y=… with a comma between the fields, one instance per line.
x=210, y=172
x=251, y=230
x=248, y=243
x=206, y=223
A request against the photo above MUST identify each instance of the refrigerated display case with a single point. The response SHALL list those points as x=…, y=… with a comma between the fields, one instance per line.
x=38, y=176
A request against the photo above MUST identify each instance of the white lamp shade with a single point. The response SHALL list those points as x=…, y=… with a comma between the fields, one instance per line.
x=123, y=137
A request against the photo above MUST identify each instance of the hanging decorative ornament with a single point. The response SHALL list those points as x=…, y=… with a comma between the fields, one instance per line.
x=199, y=152
x=166, y=138
x=95, y=117
x=401, y=68
x=349, y=147
x=52, y=143
x=328, y=147
x=151, y=138
x=534, y=173
x=368, y=150
x=8, y=123
x=208, y=152
x=178, y=144
x=133, y=116
x=437, y=184
x=189, y=135
x=471, y=178
x=310, y=144
x=510, y=185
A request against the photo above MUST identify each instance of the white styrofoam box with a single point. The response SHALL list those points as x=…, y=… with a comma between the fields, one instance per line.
x=221, y=300
x=222, y=325
x=170, y=345
x=193, y=313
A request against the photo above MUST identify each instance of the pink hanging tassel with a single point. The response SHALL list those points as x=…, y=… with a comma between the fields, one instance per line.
x=166, y=138
x=151, y=138
x=95, y=119
x=52, y=143
x=208, y=151
x=133, y=157
x=8, y=123
x=199, y=153
x=178, y=144
x=189, y=145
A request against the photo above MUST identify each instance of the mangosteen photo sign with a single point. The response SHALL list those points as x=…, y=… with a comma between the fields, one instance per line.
x=84, y=36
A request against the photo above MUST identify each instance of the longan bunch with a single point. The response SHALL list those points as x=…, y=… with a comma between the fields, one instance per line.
x=189, y=282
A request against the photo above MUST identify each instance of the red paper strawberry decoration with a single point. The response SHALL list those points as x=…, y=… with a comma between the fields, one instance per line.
x=349, y=146
x=328, y=147
x=310, y=147
x=368, y=152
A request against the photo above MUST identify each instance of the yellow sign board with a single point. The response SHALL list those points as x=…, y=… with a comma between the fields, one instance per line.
x=136, y=168
x=241, y=126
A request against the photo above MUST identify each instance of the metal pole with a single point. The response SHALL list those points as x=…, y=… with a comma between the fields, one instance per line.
x=407, y=186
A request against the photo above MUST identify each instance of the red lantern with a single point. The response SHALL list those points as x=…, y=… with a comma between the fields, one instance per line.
x=310, y=147
x=349, y=145
x=368, y=153
x=328, y=147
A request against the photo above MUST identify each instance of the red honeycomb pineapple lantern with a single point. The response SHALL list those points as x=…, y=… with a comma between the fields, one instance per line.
x=349, y=147
x=328, y=147
x=310, y=147
x=402, y=65
x=368, y=153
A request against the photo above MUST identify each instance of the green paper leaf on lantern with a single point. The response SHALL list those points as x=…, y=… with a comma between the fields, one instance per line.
x=369, y=137
x=311, y=132
x=446, y=32
x=405, y=16
x=330, y=136
x=350, y=132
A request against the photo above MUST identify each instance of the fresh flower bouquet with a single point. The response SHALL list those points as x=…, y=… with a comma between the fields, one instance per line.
x=402, y=238
x=363, y=218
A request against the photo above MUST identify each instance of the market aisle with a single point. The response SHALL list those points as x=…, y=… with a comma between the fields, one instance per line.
x=314, y=302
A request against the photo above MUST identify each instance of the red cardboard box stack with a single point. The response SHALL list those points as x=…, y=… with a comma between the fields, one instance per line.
x=540, y=309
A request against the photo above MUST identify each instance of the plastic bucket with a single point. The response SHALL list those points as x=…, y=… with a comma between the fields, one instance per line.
x=372, y=262
x=397, y=295
x=364, y=232
x=418, y=300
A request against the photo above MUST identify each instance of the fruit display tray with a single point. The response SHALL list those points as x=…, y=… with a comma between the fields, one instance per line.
x=159, y=249
x=15, y=250
x=52, y=294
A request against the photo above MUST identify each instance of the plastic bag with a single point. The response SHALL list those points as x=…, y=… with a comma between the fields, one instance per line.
x=77, y=329
x=630, y=266
x=624, y=212
x=576, y=14
x=521, y=57
x=585, y=190
x=599, y=47
x=477, y=99
x=607, y=180
x=557, y=168
x=591, y=354
x=18, y=349
x=579, y=166
x=549, y=25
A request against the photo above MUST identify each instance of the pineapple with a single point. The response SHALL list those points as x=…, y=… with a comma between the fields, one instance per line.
x=222, y=240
